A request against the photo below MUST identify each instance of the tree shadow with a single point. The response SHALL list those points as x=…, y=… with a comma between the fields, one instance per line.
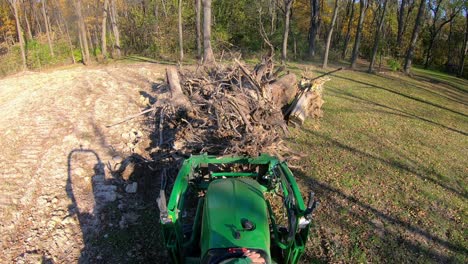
x=383, y=225
x=447, y=90
x=347, y=95
x=404, y=95
x=394, y=163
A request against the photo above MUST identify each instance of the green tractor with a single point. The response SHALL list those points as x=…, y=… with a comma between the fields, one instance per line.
x=221, y=209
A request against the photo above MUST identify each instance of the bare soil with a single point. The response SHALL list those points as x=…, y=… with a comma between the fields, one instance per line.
x=57, y=156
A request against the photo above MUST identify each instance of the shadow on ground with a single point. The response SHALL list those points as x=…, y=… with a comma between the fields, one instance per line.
x=117, y=226
x=361, y=216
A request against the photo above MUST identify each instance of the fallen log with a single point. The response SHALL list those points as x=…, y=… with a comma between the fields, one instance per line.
x=283, y=90
x=179, y=99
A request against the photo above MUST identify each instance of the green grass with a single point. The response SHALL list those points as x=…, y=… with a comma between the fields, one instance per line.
x=389, y=163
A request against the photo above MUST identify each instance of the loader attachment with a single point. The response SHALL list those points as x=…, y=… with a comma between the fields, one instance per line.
x=217, y=211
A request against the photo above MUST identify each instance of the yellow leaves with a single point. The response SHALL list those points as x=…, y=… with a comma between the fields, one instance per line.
x=7, y=23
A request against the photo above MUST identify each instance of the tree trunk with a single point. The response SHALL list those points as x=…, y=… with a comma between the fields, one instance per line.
x=287, y=16
x=283, y=90
x=28, y=26
x=181, y=37
x=82, y=33
x=314, y=25
x=14, y=4
x=46, y=22
x=163, y=2
x=348, y=32
x=377, y=37
x=435, y=32
x=70, y=45
x=401, y=25
x=104, y=28
x=272, y=9
x=357, y=40
x=91, y=42
x=329, y=35
x=448, y=64
x=115, y=28
x=198, y=28
x=179, y=99
x=465, y=47
x=208, y=57
x=36, y=18
x=414, y=38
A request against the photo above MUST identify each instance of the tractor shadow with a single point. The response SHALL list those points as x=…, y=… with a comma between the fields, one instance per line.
x=117, y=226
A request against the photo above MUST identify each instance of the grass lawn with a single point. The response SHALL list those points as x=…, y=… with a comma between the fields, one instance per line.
x=389, y=163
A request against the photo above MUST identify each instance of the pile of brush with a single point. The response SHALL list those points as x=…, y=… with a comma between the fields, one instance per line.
x=231, y=109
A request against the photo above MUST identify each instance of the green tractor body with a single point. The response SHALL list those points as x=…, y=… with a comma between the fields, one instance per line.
x=217, y=211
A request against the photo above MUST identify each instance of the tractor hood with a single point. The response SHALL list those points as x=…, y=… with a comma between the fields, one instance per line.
x=235, y=215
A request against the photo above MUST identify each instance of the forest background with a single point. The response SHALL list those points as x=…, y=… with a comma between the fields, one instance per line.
x=36, y=34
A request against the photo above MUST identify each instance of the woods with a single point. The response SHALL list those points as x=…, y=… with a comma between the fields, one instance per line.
x=376, y=33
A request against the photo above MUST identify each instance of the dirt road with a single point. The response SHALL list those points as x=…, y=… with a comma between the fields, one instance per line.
x=54, y=150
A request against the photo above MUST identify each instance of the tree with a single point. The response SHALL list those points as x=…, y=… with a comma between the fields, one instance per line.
x=198, y=27
x=82, y=34
x=436, y=7
x=181, y=38
x=314, y=25
x=28, y=26
x=348, y=31
x=208, y=57
x=329, y=35
x=115, y=28
x=104, y=28
x=414, y=37
x=363, y=4
x=14, y=5
x=287, y=17
x=465, y=46
x=377, y=35
x=406, y=7
x=47, y=28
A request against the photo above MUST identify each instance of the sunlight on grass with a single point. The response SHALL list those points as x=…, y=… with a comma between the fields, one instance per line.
x=389, y=163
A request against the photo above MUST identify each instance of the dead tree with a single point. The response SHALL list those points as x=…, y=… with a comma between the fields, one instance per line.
x=208, y=57
x=330, y=33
